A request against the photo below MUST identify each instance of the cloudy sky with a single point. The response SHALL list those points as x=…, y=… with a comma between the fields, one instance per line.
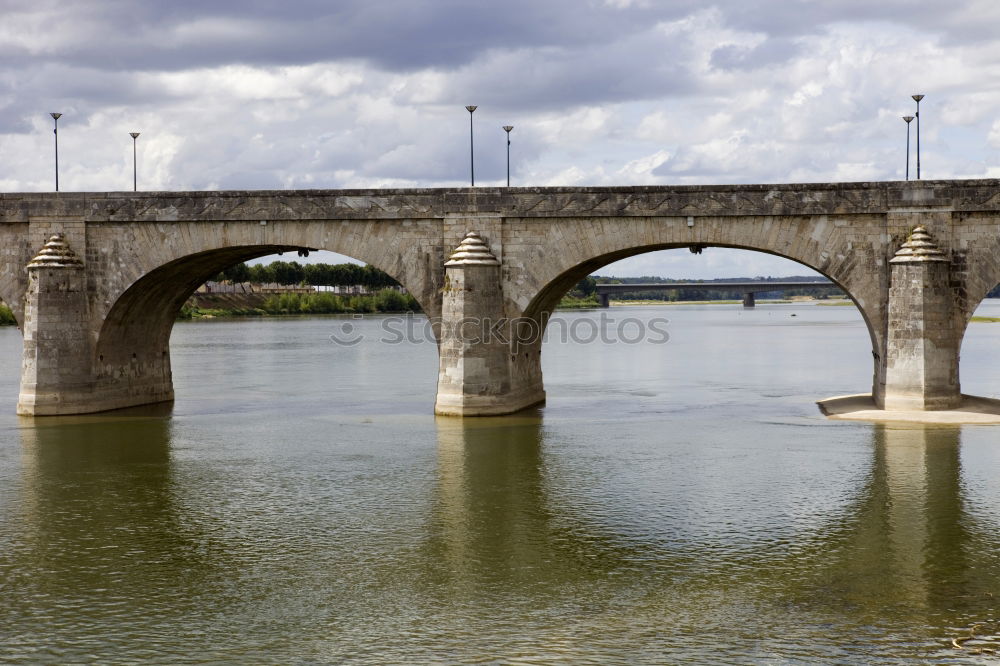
x=371, y=93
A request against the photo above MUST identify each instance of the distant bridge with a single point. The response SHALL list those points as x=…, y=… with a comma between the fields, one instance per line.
x=748, y=287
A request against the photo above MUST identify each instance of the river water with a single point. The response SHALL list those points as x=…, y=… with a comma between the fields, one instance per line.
x=674, y=502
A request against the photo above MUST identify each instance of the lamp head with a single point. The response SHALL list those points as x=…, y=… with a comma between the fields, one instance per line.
x=917, y=98
x=471, y=108
x=56, y=116
x=134, y=135
x=508, y=128
x=908, y=119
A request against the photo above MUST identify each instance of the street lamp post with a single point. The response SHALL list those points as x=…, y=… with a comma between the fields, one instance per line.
x=508, y=128
x=472, y=160
x=55, y=132
x=908, y=119
x=917, y=98
x=135, y=178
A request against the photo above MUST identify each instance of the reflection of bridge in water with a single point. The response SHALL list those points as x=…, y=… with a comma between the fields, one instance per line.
x=906, y=554
x=748, y=287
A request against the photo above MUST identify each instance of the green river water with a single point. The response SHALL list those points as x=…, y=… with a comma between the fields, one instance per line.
x=682, y=502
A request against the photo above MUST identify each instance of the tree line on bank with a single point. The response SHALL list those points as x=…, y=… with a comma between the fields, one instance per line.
x=319, y=275
x=382, y=296
x=319, y=302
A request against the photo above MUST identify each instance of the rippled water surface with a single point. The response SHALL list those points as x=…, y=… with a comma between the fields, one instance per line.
x=681, y=502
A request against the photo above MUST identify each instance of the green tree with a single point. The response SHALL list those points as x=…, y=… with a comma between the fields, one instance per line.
x=586, y=286
x=6, y=316
x=288, y=272
x=237, y=273
x=261, y=273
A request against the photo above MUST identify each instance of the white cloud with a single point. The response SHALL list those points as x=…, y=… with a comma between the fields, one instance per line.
x=994, y=136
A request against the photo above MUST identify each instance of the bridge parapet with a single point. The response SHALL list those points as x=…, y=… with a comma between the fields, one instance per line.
x=636, y=201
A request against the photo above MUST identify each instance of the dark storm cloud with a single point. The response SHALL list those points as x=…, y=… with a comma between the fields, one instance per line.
x=407, y=35
x=62, y=88
x=397, y=35
x=542, y=53
x=644, y=65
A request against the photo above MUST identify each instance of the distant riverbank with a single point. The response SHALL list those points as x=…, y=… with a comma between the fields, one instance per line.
x=213, y=305
x=388, y=301
x=208, y=306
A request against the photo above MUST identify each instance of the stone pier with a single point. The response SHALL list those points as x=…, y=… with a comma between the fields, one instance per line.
x=56, y=372
x=923, y=342
x=478, y=354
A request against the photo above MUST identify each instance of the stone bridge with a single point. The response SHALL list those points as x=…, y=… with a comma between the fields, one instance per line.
x=95, y=279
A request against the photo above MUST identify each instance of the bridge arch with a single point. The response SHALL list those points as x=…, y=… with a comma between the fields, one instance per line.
x=975, y=340
x=823, y=244
x=547, y=299
x=195, y=251
x=809, y=241
x=550, y=295
x=135, y=317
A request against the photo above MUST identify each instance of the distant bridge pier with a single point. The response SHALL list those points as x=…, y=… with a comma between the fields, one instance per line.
x=604, y=299
x=748, y=301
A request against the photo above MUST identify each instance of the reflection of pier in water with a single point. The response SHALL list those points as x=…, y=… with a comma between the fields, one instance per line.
x=909, y=553
x=901, y=551
x=491, y=500
x=110, y=542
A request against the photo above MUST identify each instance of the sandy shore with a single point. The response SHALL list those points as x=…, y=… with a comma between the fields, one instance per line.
x=974, y=410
